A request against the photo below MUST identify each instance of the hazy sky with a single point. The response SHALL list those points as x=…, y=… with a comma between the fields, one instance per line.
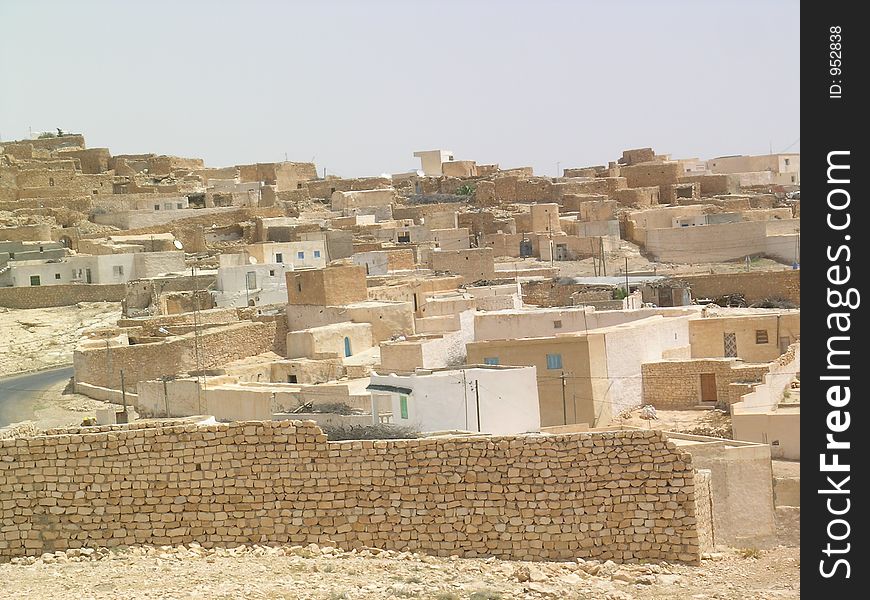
x=359, y=86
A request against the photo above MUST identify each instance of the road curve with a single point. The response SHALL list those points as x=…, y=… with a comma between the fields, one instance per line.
x=19, y=393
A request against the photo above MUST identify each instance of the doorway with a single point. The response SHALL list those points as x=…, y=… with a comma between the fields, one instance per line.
x=708, y=388
x=525, y=248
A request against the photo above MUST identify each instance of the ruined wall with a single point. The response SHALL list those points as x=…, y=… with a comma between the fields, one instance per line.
x=661, y=174
x=39, y=232
x=599, y=185
x=92, y=161
x=622, y=495
x=473, y=265
x=639, y=197
x=217, y=346
x=552, y=293
x=60, y=295
x=637, y=155
x=324, y=188
x=754, y=285
x=714, y=184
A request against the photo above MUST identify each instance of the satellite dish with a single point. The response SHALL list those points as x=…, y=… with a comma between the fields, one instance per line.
x=252, y=260
x=178, y=244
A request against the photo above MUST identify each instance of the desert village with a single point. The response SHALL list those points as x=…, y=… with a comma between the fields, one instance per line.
x=461, y=360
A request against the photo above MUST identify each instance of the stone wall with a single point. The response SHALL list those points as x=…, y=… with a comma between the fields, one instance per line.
x=552, y=293
x=45, y=296
x=754, y=285
x=714, y=184
x=676, y=384
x=217, y=346
x=661, y=174
x=625, y=495
x=473, y=265
x=638, y=197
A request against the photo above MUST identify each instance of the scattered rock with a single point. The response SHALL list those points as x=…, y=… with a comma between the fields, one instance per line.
x=521, y=574
x=544, y=590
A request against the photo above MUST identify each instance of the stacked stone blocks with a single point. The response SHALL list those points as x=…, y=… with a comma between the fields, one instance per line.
x=624, y=495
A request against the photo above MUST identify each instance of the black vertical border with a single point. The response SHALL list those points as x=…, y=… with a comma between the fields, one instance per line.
x=832, y=122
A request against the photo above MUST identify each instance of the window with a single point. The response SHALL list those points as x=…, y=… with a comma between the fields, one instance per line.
x=156, y=207
x=51, y=180
x=271, y=272
x=317, y=254
x=730, y=340
x=761, y=336
x=403, y=406
x=300, y=255
x=279, y=257
x=557, y=324
x=554, y=361
x=118, y=270
x=492, y=360
x=178, y=205
x=167, y=205
x=298, y=186
x=34, y=280
x=57, y=275
x=786, y=162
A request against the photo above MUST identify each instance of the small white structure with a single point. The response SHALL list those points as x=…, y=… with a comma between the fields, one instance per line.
x=499, y=400
x=304, y=254
x=242, y=281
x=91, y=268
x=431, y=161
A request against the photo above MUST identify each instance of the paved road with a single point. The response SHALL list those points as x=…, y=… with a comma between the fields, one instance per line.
x=19, y=394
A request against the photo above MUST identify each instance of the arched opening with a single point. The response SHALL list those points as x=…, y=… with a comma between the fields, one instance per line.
x=346, y=346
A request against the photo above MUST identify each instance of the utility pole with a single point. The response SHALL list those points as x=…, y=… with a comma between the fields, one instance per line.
x=551, y=246
x=477, y=401
x=108, y=362
x=123, y=394
x=564, y=402
x=594, y=262
x=465, y=395
x=603, y=262
x=627, y=289
x=196, y=337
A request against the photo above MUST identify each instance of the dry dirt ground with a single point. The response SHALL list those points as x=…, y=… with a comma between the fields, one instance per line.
x=712, y=422
x=311, y=572
x=54, y=408
x=37, y=338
